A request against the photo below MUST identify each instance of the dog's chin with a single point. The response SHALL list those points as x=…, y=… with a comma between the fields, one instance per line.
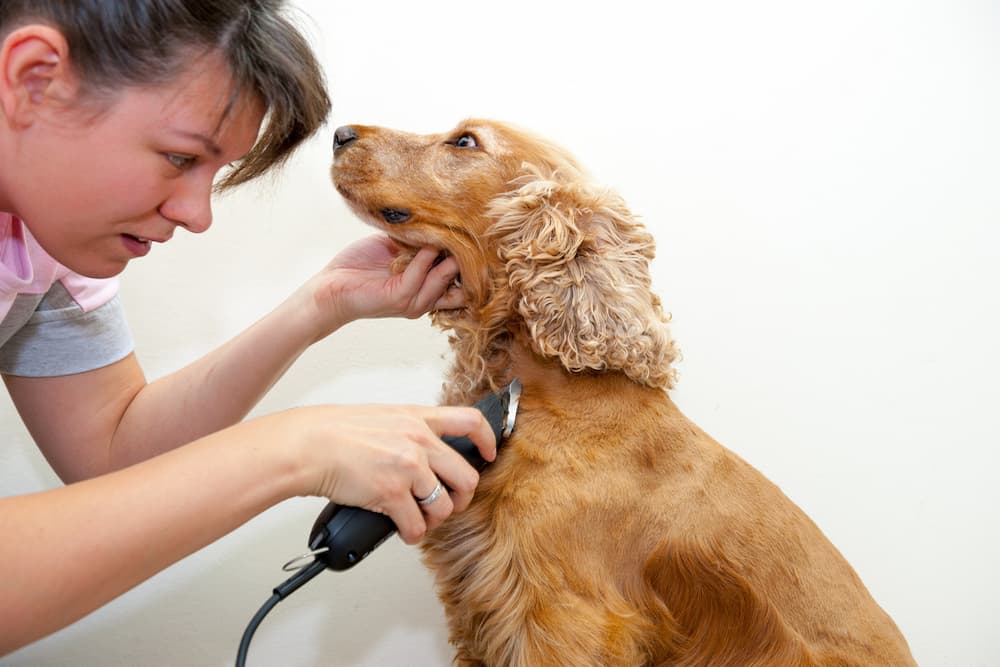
x=393, y=221
x=410, y=246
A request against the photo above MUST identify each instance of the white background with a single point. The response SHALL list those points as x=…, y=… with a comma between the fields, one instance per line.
x=822, y=181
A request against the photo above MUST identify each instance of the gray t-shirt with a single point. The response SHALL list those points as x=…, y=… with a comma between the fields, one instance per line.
x=45, y=335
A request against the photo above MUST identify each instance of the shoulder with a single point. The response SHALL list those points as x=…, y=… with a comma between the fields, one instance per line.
x=53, y=321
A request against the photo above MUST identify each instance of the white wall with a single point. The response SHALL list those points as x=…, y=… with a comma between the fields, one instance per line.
x=822, y=179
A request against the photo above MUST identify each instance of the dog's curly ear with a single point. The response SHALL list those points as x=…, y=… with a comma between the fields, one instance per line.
x=577, y=264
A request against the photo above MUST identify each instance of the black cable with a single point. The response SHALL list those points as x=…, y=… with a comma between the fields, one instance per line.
x=282, y=591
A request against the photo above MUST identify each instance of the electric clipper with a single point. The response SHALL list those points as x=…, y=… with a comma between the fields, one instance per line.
x=342, y=536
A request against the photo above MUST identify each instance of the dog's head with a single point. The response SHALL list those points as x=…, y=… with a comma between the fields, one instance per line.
x=544, y=256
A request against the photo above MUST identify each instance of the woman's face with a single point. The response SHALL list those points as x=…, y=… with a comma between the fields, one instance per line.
x=98, y=191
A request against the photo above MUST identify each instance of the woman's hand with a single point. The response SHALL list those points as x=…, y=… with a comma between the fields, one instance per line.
x=382, y=458
x=360, y=283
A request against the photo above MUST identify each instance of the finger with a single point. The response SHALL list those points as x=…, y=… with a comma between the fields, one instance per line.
x=449, y=465
x=436, y=282
x=443, y=273
x=468, y=422
x=436, y=504
x=409, y=520
x=433, y=494
x=416, y=271
x=453, y=297
x=457, y=475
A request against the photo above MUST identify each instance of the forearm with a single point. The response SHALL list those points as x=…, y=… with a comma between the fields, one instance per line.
x=108, y=418
x=70, y=550
x=215, y=391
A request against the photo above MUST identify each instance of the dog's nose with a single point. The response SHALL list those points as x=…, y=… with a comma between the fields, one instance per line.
x=343, y=135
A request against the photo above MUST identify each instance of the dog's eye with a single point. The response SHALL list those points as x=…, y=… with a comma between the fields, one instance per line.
x=465, y=141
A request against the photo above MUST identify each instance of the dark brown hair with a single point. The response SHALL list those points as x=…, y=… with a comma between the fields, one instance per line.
x=114, y=44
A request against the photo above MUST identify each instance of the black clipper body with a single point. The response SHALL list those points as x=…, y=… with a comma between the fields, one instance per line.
x=342, y=536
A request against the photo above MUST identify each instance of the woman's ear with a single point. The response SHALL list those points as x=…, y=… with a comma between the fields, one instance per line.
x=577, y=263
x=34, y=71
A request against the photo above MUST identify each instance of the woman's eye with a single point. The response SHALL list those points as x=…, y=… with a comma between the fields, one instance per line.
x=180, y=161
x=466, y=141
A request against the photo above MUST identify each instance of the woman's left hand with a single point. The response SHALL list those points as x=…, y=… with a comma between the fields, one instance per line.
x=360, y=283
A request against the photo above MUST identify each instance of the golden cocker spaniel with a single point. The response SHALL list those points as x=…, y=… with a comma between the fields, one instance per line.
x=611, y=531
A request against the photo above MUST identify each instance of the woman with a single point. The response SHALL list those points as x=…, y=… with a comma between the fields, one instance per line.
x=116, y=119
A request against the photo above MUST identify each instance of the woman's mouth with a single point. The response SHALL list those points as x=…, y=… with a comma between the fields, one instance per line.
x=136, y=245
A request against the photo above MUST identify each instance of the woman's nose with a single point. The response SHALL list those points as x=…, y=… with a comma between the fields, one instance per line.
x=190, y=206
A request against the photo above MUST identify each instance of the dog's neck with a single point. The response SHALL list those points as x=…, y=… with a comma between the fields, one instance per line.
x=481, y=338
x=492, y=344
x=510, y=355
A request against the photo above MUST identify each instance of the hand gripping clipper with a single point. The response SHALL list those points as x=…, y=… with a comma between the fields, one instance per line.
x=342, y=536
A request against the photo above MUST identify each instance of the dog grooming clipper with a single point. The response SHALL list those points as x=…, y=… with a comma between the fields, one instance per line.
x=342, y=536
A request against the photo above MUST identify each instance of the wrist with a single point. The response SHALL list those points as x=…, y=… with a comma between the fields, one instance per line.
x=273, y=439
x=313, y=312
x=330, y=304
x=306, y=460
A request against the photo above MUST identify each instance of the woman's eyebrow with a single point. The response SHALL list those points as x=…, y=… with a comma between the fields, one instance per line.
x=209, y=143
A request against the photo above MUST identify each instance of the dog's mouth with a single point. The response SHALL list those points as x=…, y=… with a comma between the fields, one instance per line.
x=393, y=216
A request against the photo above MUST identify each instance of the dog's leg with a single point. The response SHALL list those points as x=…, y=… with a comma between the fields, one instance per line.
x=723, y=621
x=564, y=630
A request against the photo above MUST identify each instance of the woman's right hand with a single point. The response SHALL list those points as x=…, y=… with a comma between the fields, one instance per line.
x=383, y=457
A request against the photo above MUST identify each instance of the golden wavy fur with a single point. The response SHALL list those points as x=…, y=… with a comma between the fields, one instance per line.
x=611, y=531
